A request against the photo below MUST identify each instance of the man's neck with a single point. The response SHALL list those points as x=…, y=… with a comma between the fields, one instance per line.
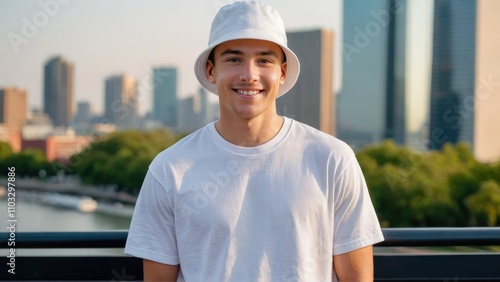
x=249, y=133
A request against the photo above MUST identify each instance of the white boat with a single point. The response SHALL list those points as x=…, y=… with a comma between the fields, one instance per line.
x=81, y=203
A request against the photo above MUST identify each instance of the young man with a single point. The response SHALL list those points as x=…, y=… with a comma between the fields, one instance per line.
x=253, y=196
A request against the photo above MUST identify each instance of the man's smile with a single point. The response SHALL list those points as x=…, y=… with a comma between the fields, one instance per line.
x=248, y=92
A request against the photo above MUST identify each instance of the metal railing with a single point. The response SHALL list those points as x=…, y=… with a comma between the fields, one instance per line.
x=388, y=267
x=394, y=237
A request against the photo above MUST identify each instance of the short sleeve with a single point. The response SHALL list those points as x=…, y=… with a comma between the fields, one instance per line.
x=355, y=221
x=152, y=230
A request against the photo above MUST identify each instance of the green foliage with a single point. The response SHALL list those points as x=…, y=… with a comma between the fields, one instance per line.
x=5, y=150
x=485, y=204
x=437, y=188
x=121, y=158
x=27, y=162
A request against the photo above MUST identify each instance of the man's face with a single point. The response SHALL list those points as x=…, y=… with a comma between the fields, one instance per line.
x=247, y=74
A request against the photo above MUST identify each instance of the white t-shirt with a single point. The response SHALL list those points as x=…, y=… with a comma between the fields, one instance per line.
x=275, y=212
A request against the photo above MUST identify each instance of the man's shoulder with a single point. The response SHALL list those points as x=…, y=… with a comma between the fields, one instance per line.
x=187, y=147
x=319, y=139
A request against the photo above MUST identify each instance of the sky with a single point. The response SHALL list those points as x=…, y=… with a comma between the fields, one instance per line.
x=105, y=38
x=419, y=31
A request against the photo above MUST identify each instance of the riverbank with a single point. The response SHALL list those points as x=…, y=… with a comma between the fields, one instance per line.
x=71, y=186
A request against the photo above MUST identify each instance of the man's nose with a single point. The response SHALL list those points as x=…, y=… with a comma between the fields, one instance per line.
x=249, y=72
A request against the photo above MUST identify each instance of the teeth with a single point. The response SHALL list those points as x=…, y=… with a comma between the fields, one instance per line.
x=248, y=93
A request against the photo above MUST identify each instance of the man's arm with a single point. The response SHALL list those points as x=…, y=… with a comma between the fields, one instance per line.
x=155, y=271
x=356, y=265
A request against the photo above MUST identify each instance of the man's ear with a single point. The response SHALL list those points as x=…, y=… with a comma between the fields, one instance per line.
x=209, y=71
x=283, y=72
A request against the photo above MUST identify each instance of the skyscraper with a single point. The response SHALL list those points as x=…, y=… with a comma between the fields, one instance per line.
x=13, y=107
x=453, y=59
x=13, y=112
x=58, y=91
x=208, y=111
x=311, y=99
x=465, y=74
x=83, y=111
x=203, y=105
x=371, y=106
x=165, y=100
x=81, y=119
x=387, y=53
x=120, y=101
x=189, y=115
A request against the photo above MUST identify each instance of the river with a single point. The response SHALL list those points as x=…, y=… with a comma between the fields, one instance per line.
x=35, y=216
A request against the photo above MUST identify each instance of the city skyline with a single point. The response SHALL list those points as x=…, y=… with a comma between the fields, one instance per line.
x=118, y=49
x=122, y=37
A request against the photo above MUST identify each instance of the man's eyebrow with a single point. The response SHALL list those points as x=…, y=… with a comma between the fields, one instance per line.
x=259, y=53
x=231, y=52
x=267, y=53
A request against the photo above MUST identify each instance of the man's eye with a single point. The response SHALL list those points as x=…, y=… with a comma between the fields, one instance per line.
x=233, y=60
x=265, y=61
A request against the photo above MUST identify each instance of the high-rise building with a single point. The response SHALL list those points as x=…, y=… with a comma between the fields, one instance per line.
x=371, y=105
x=203, y=105
x=83, y=111
x=311, y=100
x=81, y=119
x=465, y=76
x=387, y=53
x=196, y=111
x=13, y=107
x=13, y=115
x=58, y=91
x=165, y=100
x=208, y=111
x=120, y=101
x=189, y=114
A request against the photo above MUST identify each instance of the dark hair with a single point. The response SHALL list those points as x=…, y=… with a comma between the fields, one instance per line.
x=211, y=56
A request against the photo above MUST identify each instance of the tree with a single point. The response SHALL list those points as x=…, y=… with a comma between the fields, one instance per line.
x=485, y=204
x=436, y=188
x=5, y=150
x=121, y=158
x=28, y=162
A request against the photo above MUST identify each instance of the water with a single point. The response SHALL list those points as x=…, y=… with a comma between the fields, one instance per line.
x=34, y=216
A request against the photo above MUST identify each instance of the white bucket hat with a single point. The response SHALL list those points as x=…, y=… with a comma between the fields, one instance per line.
x=248, y=20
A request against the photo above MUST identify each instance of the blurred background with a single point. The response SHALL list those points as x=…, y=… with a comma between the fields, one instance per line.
x=91, y=91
